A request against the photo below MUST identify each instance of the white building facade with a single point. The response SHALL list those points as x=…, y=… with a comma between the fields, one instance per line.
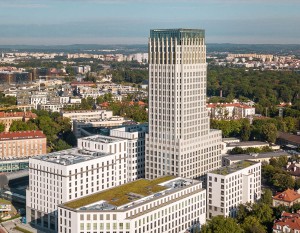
x=180, y=141
x=135, y=136
x=87, y=114
x=179, y=205
x=62, y=176
x=230, y=186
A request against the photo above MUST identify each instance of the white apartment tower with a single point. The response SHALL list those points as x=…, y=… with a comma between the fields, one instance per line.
x=227, y=187
x=180, y=141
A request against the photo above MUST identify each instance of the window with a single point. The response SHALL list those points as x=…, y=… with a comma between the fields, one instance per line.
x=81, y=226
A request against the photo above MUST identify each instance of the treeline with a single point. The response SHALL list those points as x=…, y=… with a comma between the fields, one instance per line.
x=125, y=109
x=266, y=88
x=257, y=217
x=56, y=128
x=136, y=76
x=34, y=63
x=128, y=72
x=134, y=112
x=6, y=101
x=239, y=150
x=261, y=129
x=276, y=177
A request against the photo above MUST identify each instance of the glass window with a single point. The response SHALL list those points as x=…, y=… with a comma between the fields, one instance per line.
x=81, y=226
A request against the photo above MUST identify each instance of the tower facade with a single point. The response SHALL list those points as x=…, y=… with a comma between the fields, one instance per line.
x=180, y=141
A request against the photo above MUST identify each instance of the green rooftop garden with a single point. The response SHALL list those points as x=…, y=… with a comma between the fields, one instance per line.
x=121, y=195
x=233, y=167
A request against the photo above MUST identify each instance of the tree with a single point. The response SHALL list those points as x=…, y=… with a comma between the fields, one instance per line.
x=269, y=132
x=70, y=70
x=246, y=132
x=7, y=100
x=60, y=145
x=263, y=213
x=283, y=181
x=267, y=197
x=297, y=183
x=252, y=225
x=49, y=127
x=277, y=211
x=237, y=150
x=70, y=138
x=243, y=211
x=107, y=97
x=279, y=162
x=22, y=126
x=2, y=127
x=87, y=104
x=221, y=224
x=290, y=123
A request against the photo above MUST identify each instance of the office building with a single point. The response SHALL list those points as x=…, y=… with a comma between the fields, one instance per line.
x=87, y=115
x=135, y=136
x=165, y=204
x=63, y=176
x=79, y=126
x=180, y=141
x=227, y=187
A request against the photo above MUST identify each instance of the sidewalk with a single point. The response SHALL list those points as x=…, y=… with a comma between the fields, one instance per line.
x=10, y=225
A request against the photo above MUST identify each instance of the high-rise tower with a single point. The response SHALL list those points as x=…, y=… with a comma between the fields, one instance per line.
x=180, y=141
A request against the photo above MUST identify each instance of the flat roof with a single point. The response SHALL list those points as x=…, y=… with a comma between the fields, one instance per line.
x=290, y=138
x=247, y=143
x=256, y=155
x=70, y=156
x=102, y=139
x=129, y=192
x=18, y=135
x=131, y=128
x=233, y=167
x=178, y=33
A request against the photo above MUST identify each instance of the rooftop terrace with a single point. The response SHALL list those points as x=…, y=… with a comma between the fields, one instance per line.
x=71, y=156
x=233, y=167
x=128, y=193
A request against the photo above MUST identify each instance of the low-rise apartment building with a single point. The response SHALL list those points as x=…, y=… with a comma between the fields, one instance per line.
x=230, y=110
x=288, y=198
x=227, y=187
x=289, y=222
x=166, y=204
x=7, y=118
x=22, y=144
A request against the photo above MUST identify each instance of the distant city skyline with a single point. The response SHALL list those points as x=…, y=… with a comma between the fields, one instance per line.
x=64, y=22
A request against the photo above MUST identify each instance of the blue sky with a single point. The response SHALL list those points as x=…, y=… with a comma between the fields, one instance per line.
x=51, y=22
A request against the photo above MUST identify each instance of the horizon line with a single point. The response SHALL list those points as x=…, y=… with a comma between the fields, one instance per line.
x=118, y=44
